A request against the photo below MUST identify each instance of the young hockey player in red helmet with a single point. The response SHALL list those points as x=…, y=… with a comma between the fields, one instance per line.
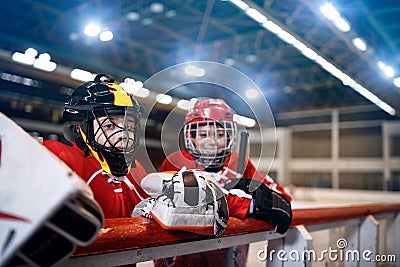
x=209, y=137
x=101, y=120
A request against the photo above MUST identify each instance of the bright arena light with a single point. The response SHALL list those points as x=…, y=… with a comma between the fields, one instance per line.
x=389, y=71
x=106, y=36
x=194, y=71
x=256, y=15
x=135, y=88
x=229, y=61
x=359, y=44
x=240, y=4
x=143, y=93
x=329, y=11
x=332, y=14
x=272, y=27
x=27, y=58
x=132, y=16
x=82, y=75
x=342, y=24
x=396, y=82
x=31, y=52
x=386, y=69
x=248, y=122
x=164, y=99
x=92, y=30
x=252, y=93
x=157, y=8
x=44, y=63
x=22, y=58
x=184, y=104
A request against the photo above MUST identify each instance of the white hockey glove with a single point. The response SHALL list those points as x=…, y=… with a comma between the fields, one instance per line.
x=189, y=200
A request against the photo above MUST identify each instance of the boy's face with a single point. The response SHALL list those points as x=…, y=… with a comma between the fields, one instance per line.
x=115, y=131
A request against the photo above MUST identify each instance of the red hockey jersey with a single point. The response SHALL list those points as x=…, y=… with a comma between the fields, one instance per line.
x=238, y=207
x=117, y=196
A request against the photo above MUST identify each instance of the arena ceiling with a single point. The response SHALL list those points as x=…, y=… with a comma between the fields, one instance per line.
x=149, y=37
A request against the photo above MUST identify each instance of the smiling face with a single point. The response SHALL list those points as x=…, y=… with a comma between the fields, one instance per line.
x=209, y=132
x=210, y=139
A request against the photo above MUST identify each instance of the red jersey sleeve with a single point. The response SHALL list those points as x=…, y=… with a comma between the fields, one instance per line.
x=238, y=206
x=177, y=160
x=70, y=155
x=60, y=150
x=136, y=176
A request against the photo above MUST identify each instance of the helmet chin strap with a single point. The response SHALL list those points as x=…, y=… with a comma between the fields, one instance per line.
x=100, y=158
x=212, y=162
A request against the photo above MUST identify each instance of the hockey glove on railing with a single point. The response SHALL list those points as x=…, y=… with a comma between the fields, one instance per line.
x=266, y=204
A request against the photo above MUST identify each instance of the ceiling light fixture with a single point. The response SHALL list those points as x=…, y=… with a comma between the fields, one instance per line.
x=342, y=24
x=256, y=15
x=143, y=93
x=106, y=36
x=386, y=69
x=92, y=30
x=194, y=71
x=82, y=75
x=252, y=93
x=184, y=104
x=396, y=82
x=135, y=88
x=132, y=16
x=22, y=58
x=164, y=99
x=333, y=15
x=313, y=55
x=170, y=14
x=27, y=58
x=329, y=11
x=157, y=8
x=44, y=63
x=359, y=44
x=245, y=121
x=240, y=4
x=229, y=61
x=389, y=71
x=272, y=27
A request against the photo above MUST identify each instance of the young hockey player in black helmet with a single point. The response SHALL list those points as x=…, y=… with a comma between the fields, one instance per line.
x=101, y=120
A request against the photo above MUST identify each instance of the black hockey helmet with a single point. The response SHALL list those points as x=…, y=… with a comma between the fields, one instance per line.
x=102, y=98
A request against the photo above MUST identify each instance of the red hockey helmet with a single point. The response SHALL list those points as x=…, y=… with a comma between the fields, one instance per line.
x=210, y=109
x=210, y=132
